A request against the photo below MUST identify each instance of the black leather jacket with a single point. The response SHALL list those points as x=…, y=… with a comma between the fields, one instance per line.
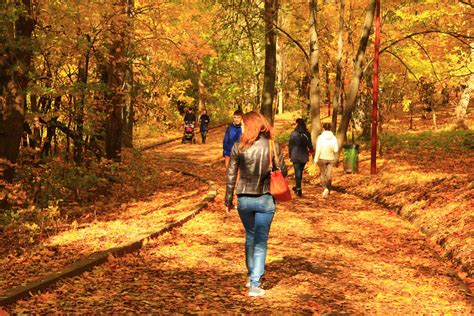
x=254, y=166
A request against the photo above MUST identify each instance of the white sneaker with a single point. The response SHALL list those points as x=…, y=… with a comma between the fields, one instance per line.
x=256, y=291
x=325, y=193
x=248, y=283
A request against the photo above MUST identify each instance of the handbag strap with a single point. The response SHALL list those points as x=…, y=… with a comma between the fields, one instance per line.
x=272, y=148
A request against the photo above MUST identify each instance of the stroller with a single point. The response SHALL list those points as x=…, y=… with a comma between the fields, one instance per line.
x=188, y=133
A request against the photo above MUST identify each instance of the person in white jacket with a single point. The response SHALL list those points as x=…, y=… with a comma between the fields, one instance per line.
x=326, y=148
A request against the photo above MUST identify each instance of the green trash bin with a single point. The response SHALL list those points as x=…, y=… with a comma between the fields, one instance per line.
x=351, y=158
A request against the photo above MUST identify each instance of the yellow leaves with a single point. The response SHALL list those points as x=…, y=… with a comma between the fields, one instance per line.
x=312, y=169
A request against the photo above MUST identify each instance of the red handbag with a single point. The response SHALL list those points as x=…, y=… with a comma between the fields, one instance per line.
x=279, y=188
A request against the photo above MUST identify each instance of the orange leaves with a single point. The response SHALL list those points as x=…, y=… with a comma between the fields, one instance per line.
x=338, y=255
x=47, y=297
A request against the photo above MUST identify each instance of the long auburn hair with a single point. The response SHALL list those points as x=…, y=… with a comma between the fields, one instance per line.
x=255, y=124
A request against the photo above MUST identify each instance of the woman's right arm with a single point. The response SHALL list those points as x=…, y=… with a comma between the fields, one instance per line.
x=291, y=143
x=336, y=147
x=232, y=175
x=318, y=150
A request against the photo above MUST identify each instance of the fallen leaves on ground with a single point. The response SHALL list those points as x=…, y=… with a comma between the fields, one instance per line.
x=340, y=255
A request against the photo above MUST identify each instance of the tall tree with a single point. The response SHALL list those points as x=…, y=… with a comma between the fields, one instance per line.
x=280, y=64
x=15, y=58
x=314, y=87
x=337, y=103
x=356, y=75
x=115, y=81
x=129, y=108
x=271, y=19
x=463, y=104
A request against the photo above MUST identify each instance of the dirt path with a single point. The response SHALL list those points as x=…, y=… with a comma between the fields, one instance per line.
x=341, y=255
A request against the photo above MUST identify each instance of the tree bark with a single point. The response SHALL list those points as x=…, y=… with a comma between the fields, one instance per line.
x=280, y=72
x=356, y=75
x=271, y=19
x=256, y=66
x=463, y=104
x=13, y=83
x=128, y=112
x=79, y=108
x=115, y=82
x=328, y=90
x=280, y=67
x=129, y=109
x=200, y=83
x=337, y=102
x=314, y=90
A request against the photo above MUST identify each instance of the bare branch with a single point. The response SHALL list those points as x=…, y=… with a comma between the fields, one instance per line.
x=457, y=36
x=429, y=57
x=469, y=3
x=403, y=63
x=294, y=41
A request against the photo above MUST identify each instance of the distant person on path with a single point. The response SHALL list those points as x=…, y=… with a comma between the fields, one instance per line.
x=204, y=126
x=232, y=135
x=326, y=147
x=256, y=207
x=189, y=117
x=299, y=148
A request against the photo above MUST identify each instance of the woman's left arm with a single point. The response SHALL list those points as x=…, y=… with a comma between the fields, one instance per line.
x=232, y=175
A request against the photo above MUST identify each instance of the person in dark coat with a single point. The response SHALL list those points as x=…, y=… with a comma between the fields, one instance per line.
x=204, y=126
x=300, y=146
x=189, y=117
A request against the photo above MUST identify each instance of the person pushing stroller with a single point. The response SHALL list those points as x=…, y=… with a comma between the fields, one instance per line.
x=189, y=123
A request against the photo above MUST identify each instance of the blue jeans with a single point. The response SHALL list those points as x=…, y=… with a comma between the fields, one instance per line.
x=299, y=168
x=256, y=213
x=203, y=136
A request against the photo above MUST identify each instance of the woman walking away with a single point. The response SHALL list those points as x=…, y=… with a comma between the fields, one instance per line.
x=204, y=127
x=299, y=147
x=326, y=147
x=256, y=207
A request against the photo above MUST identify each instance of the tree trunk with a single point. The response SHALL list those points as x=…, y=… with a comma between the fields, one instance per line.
x=256, y=66
x=13, y=83
x=337, y=102
x=328, y=91
x=356, y=75
x=79, y=109
x=129, y=111
x=461, y=108
x=314, y=90
x=129, y=108
x=115, y=82
x=280, y=66
x=271, y=18
x=280, y=72
x=201, y=103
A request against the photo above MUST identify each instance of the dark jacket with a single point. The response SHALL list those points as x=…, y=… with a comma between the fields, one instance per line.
x=300, y=145
x=254, y=166
x=204, y=122
x=189, y=118
x=232, y=135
